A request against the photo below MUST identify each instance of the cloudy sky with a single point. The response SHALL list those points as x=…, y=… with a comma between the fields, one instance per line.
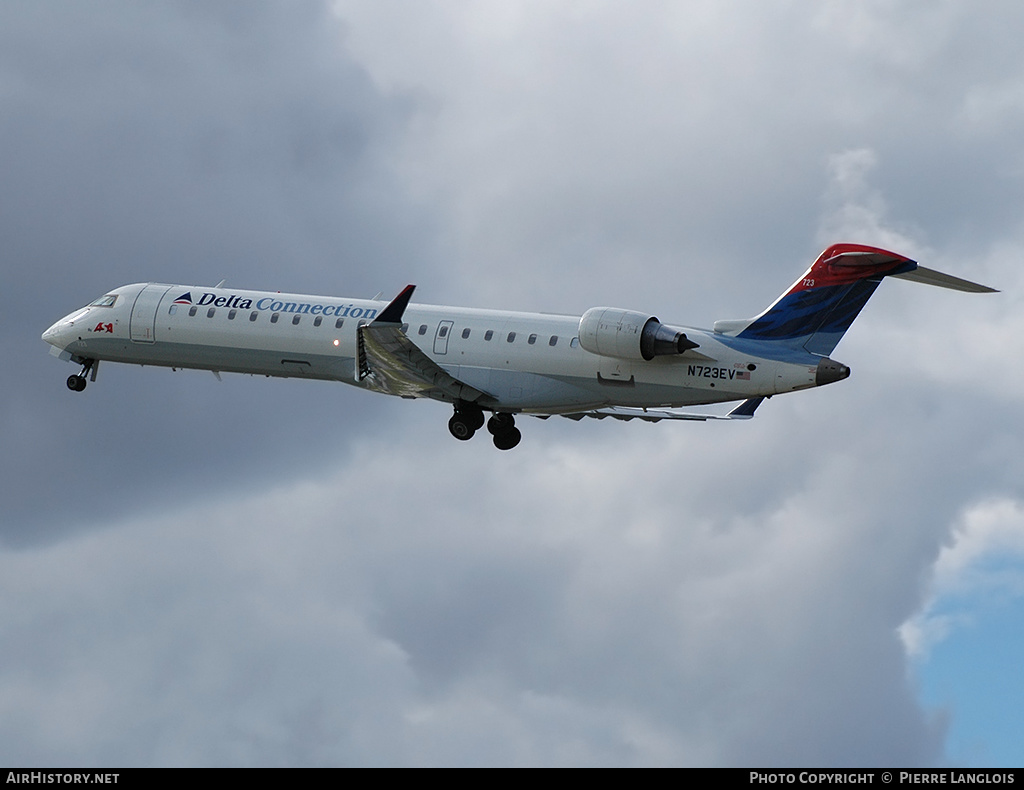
x=258, y=572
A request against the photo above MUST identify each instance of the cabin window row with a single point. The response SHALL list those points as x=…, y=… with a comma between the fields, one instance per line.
x=488, y=335
x=318, y=320
x=253, y=315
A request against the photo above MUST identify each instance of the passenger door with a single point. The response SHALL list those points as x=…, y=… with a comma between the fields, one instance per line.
x=142, y=324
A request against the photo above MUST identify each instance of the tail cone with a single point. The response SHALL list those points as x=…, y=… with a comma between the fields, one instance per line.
x=828, y=371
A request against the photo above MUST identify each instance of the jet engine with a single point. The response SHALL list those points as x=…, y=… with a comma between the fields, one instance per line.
x=627, y=334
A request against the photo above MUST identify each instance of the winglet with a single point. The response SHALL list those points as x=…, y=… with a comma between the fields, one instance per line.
x=746, y=409
x=392, y=314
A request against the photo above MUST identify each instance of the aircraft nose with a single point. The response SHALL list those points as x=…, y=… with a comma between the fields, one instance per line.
x=57, y=335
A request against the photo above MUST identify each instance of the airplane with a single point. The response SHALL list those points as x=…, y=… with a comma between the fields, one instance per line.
x=609, y=362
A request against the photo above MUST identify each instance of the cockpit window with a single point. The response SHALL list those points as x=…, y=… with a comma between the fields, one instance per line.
x=105, y=301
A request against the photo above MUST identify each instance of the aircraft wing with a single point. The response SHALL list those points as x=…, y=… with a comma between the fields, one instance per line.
x=388, y=361
x=744, y=411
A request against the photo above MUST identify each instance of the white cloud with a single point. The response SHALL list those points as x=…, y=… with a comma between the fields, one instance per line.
x=983, y=564
x=855, y=210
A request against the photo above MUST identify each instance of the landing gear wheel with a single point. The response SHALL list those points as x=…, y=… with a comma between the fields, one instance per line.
x=500, y=423
x=461, y=427
x=502, y=426
x=508, y=439
x=475, y=417
x=77, y=383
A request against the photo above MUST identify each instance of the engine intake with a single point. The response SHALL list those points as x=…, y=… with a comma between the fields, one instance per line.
x=627, y=334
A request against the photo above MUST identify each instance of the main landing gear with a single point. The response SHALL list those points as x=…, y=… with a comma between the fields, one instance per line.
x=467, y=420
x=502, y=426
x=77, y=383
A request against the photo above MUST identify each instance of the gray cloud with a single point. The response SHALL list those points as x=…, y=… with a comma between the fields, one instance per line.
x=675, y=624
x=181, y=143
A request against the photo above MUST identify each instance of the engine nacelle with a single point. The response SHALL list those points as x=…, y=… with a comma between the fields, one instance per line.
x=613, y=332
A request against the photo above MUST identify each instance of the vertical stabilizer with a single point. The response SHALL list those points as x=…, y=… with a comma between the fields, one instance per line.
x=820, y=306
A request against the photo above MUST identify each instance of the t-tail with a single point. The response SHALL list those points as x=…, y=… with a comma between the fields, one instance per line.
x=816, y=311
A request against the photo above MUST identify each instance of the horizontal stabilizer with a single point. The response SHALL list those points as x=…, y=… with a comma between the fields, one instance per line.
x=932, y=277
x=742, y=412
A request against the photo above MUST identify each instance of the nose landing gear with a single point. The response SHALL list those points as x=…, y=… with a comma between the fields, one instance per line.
x=77, y=383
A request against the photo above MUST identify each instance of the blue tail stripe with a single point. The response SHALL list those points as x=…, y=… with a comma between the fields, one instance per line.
x=827, y=311
x=814, y=314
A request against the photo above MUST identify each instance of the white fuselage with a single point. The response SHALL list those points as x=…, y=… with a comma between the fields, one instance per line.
x=525, y=362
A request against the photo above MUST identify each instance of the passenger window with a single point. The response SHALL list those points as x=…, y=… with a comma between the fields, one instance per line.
x=531, y=339
x=172, y=309
x=252, y=315
x=488, y=334
x=318, y=320
x=232, y=314
x=338, y=323
x=574, y=343
x=295, y=320
x=511, y=337
x=193, y=310
x=443, y=332
x=423, y=329
x=465, y=333
x=210, y=312
x=274, y=317
x=553, y=341
x=405, y=329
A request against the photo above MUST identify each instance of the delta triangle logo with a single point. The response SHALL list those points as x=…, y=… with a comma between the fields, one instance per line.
x=185, y=298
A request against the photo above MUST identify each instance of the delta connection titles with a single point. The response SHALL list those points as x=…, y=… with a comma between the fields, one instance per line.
x=887, y=777
x=278, y=305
